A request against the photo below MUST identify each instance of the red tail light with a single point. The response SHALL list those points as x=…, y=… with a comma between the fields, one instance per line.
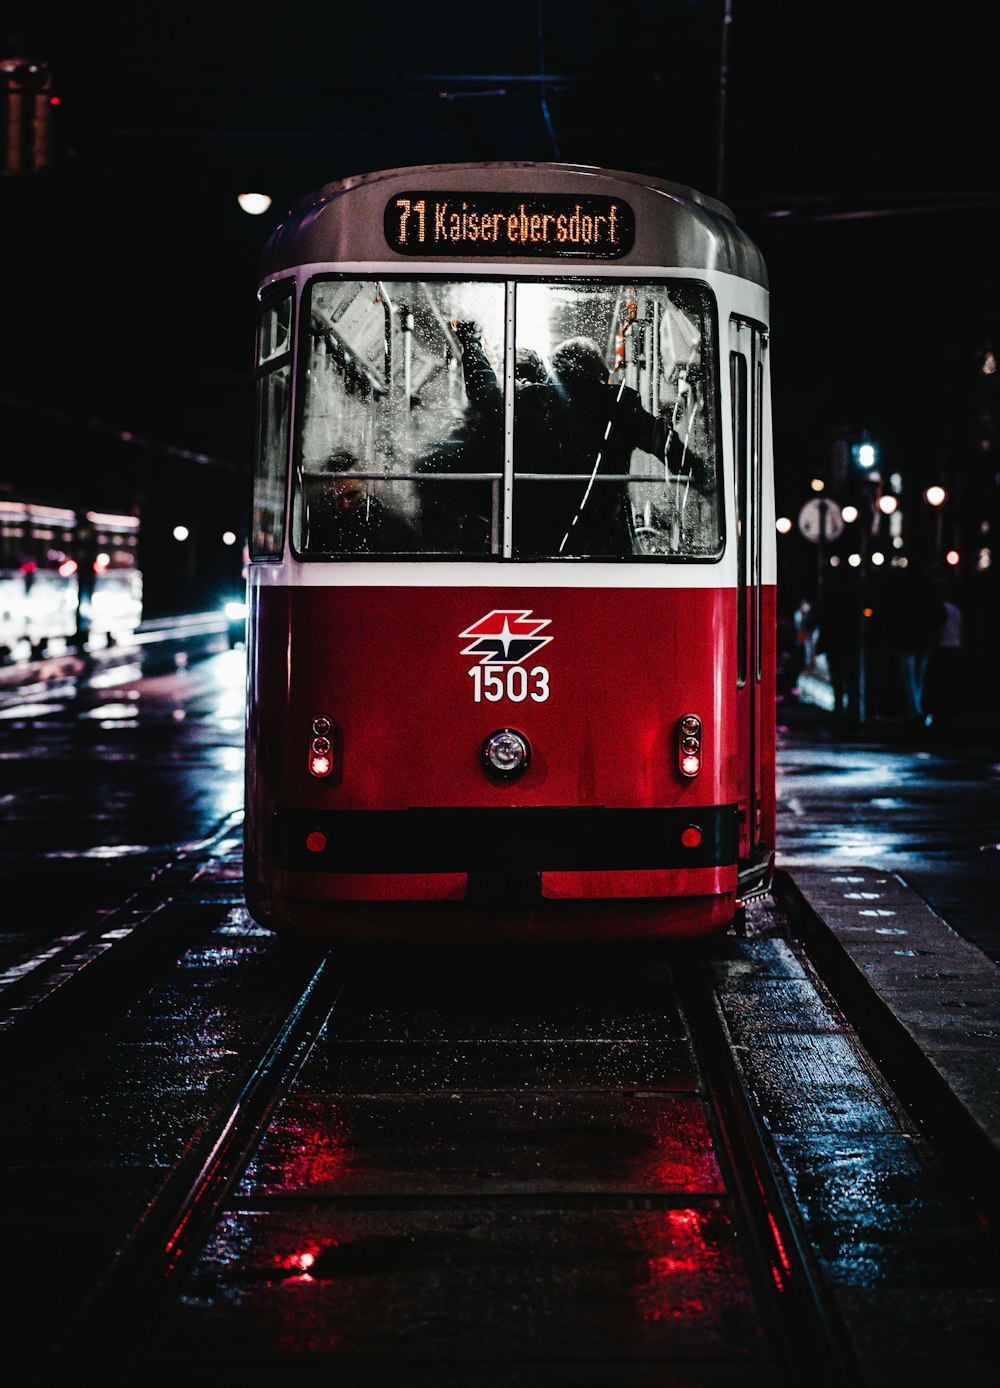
x=689, y=745
x=321, y=746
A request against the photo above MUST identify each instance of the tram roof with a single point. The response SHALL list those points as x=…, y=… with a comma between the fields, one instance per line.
x=343, y=221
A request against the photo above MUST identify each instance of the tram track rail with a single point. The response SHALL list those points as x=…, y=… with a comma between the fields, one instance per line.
x=107, y=959
x=807, y=1339
x=161, y=1263
x=123, y=1310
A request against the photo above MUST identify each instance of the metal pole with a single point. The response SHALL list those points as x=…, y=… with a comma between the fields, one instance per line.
x=821, y=556
x=862, y=651
x=727, y=20
x=865, y=546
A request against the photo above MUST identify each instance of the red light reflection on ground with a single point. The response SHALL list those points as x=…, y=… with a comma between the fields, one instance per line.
x=299, y=1264
x=682, y=1269
x=682, y=1157
x=782, y=1256
x=314, y=1156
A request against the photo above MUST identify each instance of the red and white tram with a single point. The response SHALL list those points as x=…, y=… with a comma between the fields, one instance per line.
x=512, y=571
x=66, y=576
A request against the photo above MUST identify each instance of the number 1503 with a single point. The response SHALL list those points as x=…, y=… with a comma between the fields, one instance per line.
x=514, y=682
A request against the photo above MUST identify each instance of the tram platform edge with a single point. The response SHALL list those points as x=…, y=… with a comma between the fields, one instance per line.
x=925, y=1003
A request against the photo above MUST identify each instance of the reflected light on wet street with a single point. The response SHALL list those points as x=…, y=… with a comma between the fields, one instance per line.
x=231, y=669
x=682, y=1264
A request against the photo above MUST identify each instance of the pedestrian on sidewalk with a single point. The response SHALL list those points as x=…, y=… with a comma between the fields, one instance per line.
x=942, y=695
x=916, y=615
x=838, y=638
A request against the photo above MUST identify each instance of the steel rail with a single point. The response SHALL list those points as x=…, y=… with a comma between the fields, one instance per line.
x=40, y=993
x=117, y=1320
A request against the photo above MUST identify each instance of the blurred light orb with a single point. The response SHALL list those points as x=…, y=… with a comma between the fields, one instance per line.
x=850, y=513
x=854, y=560
x=782, y=525
x=878, y=559
x=887, y=504
x=952, y=557
x=181, y=532
x=229, y=537
x=254, y=204
x=935, y=496
x=817, y=484
x=866, y=455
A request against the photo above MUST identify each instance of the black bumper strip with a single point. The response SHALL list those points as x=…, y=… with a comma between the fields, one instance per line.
x=547, y=839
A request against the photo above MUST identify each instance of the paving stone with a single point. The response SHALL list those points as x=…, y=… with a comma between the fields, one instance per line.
x=340, y=1286
x=461, y=1143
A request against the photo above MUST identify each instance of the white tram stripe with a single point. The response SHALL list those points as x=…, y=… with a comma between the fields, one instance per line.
x=503, y=574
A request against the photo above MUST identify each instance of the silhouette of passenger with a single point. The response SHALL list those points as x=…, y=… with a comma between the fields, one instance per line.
x=529, y=365
x=344, y=517
x=573, y=424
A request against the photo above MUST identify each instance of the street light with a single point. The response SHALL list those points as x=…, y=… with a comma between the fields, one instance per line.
x=936, y=496
x=254, y=204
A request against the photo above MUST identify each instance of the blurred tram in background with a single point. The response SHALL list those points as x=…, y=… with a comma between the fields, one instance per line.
x=512, y=570
x=65, y=577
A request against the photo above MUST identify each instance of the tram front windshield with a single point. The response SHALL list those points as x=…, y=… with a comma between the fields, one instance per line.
x=604, y=395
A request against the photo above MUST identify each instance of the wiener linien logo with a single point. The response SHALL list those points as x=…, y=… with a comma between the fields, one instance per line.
x=503, y=640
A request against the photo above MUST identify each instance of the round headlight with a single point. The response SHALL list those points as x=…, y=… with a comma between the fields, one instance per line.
x=507, y=752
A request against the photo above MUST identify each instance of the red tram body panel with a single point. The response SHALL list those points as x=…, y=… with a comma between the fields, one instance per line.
x=504, y=680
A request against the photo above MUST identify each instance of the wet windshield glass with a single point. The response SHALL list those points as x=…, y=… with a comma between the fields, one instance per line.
x=401, y=448
x=389, y=436
x=615, y=421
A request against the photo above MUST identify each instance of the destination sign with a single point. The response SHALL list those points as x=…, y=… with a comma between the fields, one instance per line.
x=514, y=224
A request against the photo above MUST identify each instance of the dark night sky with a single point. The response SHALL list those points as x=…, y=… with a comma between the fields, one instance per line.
x=132, y=271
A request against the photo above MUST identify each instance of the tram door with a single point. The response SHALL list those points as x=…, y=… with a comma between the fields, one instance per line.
x=746, y=378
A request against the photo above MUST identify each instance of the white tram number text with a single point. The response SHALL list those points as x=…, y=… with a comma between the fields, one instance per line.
x=514, y=682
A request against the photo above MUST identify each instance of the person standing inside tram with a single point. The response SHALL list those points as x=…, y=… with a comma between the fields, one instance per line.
x=575, y=421
x=346, y=518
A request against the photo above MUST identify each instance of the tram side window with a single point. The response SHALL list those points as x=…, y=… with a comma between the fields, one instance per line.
x=397, y=453
x=11, y=543
x=274, y=379
x=275, y=337
x=615, y=421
